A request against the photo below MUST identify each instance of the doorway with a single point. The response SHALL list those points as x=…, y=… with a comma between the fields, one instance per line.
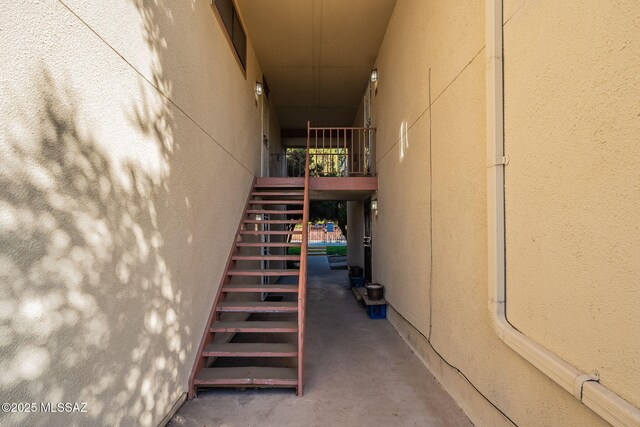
x=264, y=171
x=264, y=163
x=367, y=240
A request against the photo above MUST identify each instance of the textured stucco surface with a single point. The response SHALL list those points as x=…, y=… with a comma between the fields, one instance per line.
x=130, y=138
x=396, y=237
x=444, y=300
x=572, y=114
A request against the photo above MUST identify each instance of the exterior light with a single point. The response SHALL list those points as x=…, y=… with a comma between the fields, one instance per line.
x=374, y=205
x=374, y=75
x=258, y=88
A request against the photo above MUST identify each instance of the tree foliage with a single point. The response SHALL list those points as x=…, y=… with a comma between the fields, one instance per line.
x=320, y=210
x=329, y=211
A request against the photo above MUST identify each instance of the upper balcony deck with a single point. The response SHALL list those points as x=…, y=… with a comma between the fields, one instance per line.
x=330, y=188
x=339, y=161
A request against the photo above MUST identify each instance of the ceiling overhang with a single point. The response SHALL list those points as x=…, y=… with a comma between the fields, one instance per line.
x=316, y=55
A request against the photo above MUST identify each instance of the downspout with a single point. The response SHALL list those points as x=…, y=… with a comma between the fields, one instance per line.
x=583, y=387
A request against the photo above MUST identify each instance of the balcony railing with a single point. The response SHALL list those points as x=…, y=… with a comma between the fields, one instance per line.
x=338, y=151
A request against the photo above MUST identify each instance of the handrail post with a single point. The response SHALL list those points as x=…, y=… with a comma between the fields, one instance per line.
x=302, y=282
x=335, y=161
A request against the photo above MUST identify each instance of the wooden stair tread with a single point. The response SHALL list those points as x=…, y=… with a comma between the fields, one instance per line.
x=284, y=185
x=268, y=244
x=266, y=257
x=277, y=233
x=272, y=221
x=257, y=307
x=255, y=326
x=278, y=193
x=260, y=272
x=275, y=211
x=276, y=202
x=277, y=180
x=247, y=375
x=250, y=350
x=260, y=288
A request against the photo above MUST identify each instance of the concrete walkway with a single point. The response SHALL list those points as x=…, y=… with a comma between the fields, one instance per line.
x=358, y=372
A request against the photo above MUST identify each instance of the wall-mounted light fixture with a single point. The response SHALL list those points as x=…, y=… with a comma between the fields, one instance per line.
x=258, y=88
x=374, y=206
x=374, y=75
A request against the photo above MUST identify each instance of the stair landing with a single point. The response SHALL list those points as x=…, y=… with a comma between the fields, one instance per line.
x=247, y=376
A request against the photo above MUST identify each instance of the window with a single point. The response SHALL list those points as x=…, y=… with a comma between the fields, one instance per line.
x=229, y=16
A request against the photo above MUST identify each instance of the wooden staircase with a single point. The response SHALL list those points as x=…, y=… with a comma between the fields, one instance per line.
x=275, y=206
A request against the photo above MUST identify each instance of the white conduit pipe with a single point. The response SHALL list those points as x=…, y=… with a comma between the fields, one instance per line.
x=584, y=387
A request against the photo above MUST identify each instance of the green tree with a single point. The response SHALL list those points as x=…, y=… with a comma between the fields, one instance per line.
x=331, y=211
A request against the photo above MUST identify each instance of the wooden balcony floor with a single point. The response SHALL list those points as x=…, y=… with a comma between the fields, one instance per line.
x=330, y=188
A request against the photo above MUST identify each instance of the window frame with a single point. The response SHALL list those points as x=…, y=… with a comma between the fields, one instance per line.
x=228, y=35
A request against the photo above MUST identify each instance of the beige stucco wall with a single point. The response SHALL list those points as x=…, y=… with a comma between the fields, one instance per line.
x=570, y=138
x=572, y=185
x=130, y=138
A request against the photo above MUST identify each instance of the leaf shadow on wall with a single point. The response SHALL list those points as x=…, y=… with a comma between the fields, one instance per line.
x=83, y=270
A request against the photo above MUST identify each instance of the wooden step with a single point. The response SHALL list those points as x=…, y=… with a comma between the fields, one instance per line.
x=279, y=182
x=274, y=212
x=272, y=233
x=276, y=202
x=255, y=327
x=250, y=350
x=260, y=272
x=278, y=193
x=266, y=258
x=272, y=221
x=268, y=244
x=260, y=288
x=247, y=376
x=257, y=307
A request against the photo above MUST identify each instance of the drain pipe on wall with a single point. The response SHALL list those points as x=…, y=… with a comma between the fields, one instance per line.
x=582, y=386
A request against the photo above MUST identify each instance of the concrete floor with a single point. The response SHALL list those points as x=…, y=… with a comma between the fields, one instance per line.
x=358, y=372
